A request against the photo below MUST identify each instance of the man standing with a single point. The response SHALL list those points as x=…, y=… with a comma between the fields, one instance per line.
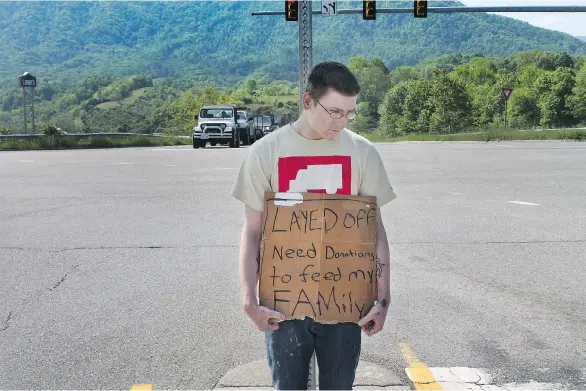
x=317, y=140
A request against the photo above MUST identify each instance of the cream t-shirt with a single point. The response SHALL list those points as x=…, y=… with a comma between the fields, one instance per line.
x=285, y=161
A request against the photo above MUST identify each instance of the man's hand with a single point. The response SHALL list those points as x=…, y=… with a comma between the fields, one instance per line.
x=374, y=321
x=263, y=318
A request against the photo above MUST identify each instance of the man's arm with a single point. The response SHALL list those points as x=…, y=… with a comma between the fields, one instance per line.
x=383, y=260
x=374, y=321
x=262, y=317
x=249, y=253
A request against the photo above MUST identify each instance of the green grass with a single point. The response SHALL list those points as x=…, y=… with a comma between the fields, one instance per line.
x=135, y=95
x=108, y=105
x=269, y=100
x=130, y=100
x=283, y=98
x=490, y=135
x=53, y=142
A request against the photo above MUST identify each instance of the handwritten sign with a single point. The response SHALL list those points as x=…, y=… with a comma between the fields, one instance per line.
x=318, y=256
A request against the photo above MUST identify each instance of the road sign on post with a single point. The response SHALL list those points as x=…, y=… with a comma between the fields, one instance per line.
x=28, y=83
x=506, y=95
x=329, y=7
x=420, y=8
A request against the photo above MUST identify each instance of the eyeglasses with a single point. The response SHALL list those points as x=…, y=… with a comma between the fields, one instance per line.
x=337, y=114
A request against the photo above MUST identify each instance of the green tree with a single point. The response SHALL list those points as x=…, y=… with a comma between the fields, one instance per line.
x=374, y=82
x=523, y=109
x=392, y=109
x=577, y=100
x=487, y=103
x=452, y=105
x=553, y=89
x=250, y=86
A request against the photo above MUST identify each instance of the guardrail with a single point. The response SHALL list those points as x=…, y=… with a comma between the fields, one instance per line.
x=8, y=137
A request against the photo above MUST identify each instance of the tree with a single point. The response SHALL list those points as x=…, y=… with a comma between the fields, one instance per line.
x=452, y=106
x=401, y=74
x=553, y=89
x=523, y=110
x=478, y=72
x=392, y=109
x=577, y=100
x=374, y=84
x=250, y=86
x=487, y=103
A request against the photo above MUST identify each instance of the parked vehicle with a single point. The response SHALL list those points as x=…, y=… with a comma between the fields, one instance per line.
x=217, y=124
x=265, y=124
x=248, y=133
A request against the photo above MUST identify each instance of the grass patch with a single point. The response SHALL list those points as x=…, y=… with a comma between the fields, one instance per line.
x=489, y=135
x=108, y=105
x=282, y=98
x=91, y=142
x=130, y=100
x=135, y=95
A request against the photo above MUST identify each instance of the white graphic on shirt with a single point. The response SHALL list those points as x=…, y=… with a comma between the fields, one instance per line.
x=318, y=177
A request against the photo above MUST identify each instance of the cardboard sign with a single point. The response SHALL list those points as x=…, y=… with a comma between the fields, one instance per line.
x=318, y=256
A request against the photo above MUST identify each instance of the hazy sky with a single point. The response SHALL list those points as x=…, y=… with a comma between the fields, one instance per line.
x=571, y=23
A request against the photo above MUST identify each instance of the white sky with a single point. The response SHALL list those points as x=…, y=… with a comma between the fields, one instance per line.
x=571, y=23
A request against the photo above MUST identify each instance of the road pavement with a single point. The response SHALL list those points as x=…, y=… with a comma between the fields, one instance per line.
x=119, y=267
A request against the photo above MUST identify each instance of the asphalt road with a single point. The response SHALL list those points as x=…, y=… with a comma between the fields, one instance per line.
x=119, y=266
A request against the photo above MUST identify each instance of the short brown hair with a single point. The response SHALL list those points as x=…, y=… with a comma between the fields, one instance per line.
x=332, y=75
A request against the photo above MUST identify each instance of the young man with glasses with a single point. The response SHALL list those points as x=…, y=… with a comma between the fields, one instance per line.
x=341, y=162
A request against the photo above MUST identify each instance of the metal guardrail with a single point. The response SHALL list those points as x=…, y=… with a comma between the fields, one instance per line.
x=78, y=136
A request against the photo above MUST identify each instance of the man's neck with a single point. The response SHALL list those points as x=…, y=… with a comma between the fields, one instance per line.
x=301, y=126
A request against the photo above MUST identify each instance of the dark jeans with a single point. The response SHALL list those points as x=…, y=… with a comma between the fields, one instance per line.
x=289, y=351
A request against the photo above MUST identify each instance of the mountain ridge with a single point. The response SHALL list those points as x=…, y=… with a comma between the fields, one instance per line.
x=218, y=41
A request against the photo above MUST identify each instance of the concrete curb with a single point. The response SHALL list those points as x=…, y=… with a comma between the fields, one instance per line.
x=256, y=375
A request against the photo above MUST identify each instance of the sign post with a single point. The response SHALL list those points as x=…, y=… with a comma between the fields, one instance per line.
x=506, y=92
x=28, y=83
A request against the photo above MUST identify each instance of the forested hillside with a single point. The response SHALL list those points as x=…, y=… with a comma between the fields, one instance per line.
x=449, y=94
x=220, y=42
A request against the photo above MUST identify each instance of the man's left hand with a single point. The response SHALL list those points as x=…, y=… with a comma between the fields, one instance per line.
x=374, y=321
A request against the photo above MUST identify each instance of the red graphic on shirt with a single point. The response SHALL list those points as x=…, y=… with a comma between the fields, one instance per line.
x=289, y=168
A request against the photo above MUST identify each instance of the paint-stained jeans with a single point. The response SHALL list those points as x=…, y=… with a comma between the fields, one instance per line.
x=289, y=351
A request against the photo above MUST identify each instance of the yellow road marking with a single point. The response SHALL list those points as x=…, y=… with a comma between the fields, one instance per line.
x=417, y=371
x=145, y=386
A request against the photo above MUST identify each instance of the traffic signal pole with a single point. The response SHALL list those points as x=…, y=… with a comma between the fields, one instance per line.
x=440, y=10
x=305, y=47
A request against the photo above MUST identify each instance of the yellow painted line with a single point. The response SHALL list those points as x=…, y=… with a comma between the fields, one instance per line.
x=145, y=386
x=417, y=371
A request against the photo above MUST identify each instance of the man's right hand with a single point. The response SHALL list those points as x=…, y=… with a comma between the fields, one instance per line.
x=263, y=318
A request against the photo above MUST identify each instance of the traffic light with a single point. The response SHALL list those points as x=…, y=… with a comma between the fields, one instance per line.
x=369, y=10
x=291, y=10
x=420, y=8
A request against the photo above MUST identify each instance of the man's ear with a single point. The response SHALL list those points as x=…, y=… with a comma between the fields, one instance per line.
x=306, y=99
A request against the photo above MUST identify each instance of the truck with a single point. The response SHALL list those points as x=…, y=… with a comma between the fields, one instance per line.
x=220, y=124
x=248, y=132
x=264, y=124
